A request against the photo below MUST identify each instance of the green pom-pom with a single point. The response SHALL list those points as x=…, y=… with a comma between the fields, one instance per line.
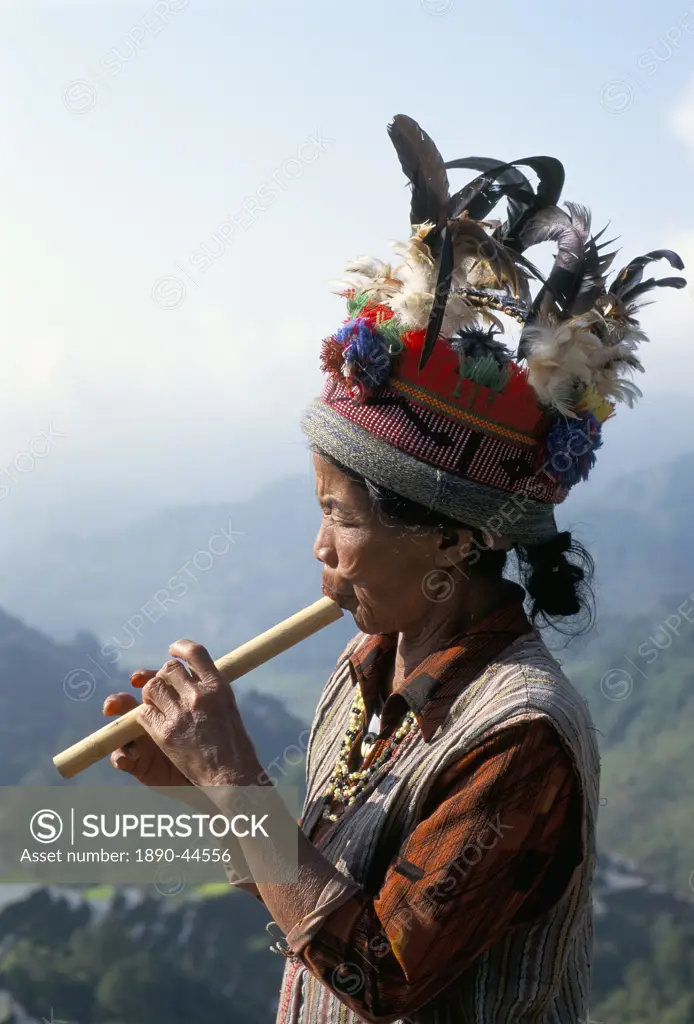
x=391, y=330
x=486, y=373
x=357, y=304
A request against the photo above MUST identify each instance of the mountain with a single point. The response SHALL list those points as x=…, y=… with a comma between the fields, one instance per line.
x=639, y=683
x=219, y=574
x=51, y=695
x=223, y=573
x=148, y=960
x=637, y=527
x=101, y=495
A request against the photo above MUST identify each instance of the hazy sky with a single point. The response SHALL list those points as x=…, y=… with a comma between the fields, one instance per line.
x=181, y=180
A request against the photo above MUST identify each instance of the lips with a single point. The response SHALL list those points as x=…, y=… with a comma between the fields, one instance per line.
x=344, y=598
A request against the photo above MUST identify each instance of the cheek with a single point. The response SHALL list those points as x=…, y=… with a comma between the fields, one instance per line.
x=388, y=565
x=355, y=554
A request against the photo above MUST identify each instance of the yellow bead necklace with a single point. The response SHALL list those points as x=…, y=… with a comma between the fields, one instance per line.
x=346, y=786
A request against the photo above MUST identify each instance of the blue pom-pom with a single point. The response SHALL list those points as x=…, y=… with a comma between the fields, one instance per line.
x=571, y=447
x=367, y=360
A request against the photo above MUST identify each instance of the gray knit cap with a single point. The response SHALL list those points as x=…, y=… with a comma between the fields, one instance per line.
x=498, y=514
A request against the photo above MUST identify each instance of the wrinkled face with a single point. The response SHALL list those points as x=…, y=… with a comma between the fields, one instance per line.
x=390, y=577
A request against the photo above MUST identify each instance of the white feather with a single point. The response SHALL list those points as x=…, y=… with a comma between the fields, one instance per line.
x=409, y=288
x=368, y=266
x=563, y=354
x=558, y=356
x=369, y=274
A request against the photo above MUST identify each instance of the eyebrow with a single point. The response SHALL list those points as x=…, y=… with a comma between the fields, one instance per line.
x=333, y=502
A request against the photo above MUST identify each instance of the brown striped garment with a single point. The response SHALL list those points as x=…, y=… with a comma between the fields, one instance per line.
x=467, y=868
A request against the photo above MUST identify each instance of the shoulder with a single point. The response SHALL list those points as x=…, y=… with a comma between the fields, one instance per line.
x=529, y=672
x=527, y=684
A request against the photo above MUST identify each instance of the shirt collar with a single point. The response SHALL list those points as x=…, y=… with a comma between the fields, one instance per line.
x=432, y=687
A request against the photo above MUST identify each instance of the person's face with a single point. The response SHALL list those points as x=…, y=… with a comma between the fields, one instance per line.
x=390, y=577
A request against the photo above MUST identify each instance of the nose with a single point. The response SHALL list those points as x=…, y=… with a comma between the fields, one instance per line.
x=324, y=549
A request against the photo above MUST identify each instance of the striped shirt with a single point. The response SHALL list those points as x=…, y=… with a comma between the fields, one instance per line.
x=466, y=875
x=539, y=970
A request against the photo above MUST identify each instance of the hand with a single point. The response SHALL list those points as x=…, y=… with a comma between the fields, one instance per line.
x=192, y=716
x=142, y=758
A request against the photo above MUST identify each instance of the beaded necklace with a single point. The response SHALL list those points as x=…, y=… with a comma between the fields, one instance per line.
x=345, y=786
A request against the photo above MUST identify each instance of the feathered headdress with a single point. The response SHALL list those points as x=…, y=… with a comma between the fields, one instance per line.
x=420, y=365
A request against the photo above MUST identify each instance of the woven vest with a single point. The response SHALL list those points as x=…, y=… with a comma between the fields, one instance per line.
x=540, y=971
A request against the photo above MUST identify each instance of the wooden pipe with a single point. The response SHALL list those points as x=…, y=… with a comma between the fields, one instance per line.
x=232, y=666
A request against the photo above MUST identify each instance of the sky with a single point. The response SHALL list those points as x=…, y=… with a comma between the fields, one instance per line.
x=181, y=180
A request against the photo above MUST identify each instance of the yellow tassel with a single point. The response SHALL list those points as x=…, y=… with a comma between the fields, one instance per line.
x=596, y=405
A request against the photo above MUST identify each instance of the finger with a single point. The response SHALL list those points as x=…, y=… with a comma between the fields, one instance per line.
x=124, y=760
x=177, y=677
x=175, y=672
x=150, y=718
x=141, y=676
x=198, y=659
x=161, y=693
x=119, y=703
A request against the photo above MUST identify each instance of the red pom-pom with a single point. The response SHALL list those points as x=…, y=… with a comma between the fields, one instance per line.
x=332, y=357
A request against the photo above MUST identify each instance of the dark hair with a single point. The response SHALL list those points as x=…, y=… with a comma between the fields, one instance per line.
x=556, y=574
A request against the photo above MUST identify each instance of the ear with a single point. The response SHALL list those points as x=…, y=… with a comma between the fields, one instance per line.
x=454, y=547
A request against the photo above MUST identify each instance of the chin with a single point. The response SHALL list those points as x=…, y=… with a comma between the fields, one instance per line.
x=367, y=624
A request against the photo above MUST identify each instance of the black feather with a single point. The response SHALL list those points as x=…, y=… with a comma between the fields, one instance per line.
x=550, y=173
x=480, y=196
x=524, y=202
x=485, y=201
x=425, y=170
x=596, y=265
x=632, y=274
x=514, y=183
x=443, y=287
x=532, y=270
x=652, y=282
x=547, y=225
x=575, y=255
x=485, y=163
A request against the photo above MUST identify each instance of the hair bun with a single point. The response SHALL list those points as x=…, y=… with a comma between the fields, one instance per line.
x=551, y=552
x=554, y=581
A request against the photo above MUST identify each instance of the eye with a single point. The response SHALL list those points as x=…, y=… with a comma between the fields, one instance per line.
x=335, y=514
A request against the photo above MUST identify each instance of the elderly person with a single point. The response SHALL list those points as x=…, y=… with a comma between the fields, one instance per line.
x=447, y=844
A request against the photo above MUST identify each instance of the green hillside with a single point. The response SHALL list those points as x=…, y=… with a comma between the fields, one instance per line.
x=642, y=700
x=638, y=527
